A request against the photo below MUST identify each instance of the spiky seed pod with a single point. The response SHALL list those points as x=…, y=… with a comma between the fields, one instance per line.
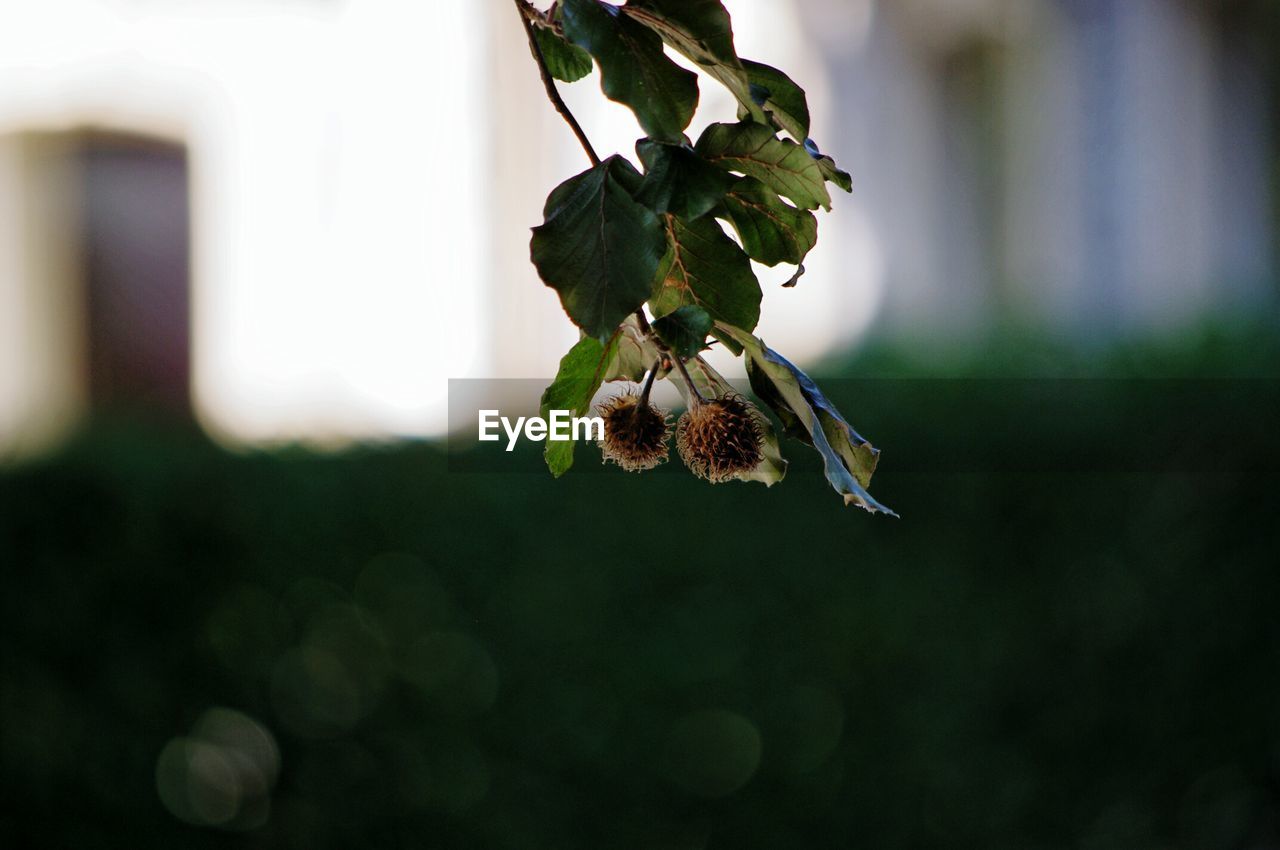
x=720, y=438
x=635, y=434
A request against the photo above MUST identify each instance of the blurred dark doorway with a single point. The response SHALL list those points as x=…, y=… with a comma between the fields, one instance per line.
x=136, y=247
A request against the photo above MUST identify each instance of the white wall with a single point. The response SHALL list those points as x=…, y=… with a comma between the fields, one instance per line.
x=338, y=187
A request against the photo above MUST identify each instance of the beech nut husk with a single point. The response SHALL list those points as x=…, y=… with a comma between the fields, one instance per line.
x=635, y=435
x=720, y=438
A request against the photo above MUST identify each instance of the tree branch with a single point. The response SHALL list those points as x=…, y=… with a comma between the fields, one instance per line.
x=526, y=14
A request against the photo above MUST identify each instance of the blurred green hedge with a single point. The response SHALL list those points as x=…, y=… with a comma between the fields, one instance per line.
x=1068, y=640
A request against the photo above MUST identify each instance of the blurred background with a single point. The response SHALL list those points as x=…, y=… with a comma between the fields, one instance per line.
x=247, y=601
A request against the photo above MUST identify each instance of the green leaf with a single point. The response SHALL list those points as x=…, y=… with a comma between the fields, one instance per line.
x=703, y=32
x=772, y=231
x=781, y=98
x=599, y=248
x=827, y=166
x=848, y=459
x=634, y=71
x=701, y=29
x=706, y=268
x=684, y=330
x=678, y=181
x=782, y=165
x=772, y=467
x=567, y=62
x=581, y=373
x=834, y=174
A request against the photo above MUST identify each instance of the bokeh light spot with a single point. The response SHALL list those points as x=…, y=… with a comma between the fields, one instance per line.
x=222, y=774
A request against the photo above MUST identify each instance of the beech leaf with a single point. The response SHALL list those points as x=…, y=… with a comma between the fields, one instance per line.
x=782, y=165
x=772, y=231
x=706, y=268
x=633, y=68
x=599, y=248
x=848, y=459
x=827, y=166
x=678, y=181
x=684, y=330
x=702, y=31
x=566, y=61
x=581, y=373
x=781, y=98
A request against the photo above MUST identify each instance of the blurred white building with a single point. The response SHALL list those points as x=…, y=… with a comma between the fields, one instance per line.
x=356, y=180
x=1090, y=164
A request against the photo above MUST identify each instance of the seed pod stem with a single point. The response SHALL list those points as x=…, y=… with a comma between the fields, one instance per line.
x=648, y=382
x=696, y=397
x=641, y=320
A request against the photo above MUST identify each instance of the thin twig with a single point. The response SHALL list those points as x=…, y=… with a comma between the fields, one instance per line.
x=550, y=84
x=527, y=15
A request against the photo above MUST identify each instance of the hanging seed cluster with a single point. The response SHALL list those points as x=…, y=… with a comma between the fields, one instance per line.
x=635, y=434
x=720, y=438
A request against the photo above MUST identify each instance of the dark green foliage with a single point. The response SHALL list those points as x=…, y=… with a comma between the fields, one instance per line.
x=1065, y=646
x=678, y=181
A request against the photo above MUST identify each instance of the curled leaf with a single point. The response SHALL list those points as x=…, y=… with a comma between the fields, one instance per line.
x=848, y=459
x=783, y=100
x=703, y=32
